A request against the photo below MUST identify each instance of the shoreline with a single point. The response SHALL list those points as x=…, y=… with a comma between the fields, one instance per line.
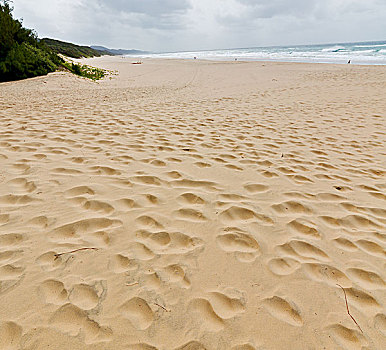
x=243, y=59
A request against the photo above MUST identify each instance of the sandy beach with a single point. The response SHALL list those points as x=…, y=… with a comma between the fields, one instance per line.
x=191, y=205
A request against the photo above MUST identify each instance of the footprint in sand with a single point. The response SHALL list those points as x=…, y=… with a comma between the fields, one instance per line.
x=151, y=199
x=371, y=247
x=146, y=180
x=256, y=188
x=49, y=261
x=127, y=203
x=75, y=230
x=244, y=215
x=148, y=222
x=231, y=197
x=185, y=183
x=326, y=273
x=291, y=208
x=345, y=244
x=163, y=242
x=283, y=266
x=366, y=279
x=301, y=249
x=22, y=185
x=53, y=292
x=98, y=206
x=141, y=346
x=119, y=264
x=66, y=171
x=40, y=221
x=150, y=280
x=4, y=219
x=10, y=240
x=190, y=215
x=190, y=198
x=207, y=316
x=283, y=311
x=176, y=274
x=71, y=320
x=138, y=312
x=218, y=308
x=16, y=200
x=243, y=347
x=346, y=337
x=380, y=323
x=304, y=228
x=9, y=257
x=140, y=251
x=225, y=306
x=10, y=336
x=243, y=245
x=84, y=296
x=10, y=273
x=192, y=345
x=362, y=300
x=104, y=170
x=80, y=191
x=351, y=222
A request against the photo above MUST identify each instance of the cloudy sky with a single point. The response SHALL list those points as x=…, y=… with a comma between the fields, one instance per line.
x=174, y=25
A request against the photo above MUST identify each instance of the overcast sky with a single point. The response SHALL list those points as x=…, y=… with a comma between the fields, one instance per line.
x=174, y=25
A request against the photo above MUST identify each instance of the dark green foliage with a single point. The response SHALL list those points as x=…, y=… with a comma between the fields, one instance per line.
x=25, y=61
x=72, y=50
x=76, y=69
x=21, y=54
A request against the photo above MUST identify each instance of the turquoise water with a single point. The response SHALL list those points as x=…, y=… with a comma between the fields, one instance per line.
x=359, y=53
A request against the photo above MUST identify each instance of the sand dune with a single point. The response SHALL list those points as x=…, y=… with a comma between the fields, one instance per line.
x=190, y=205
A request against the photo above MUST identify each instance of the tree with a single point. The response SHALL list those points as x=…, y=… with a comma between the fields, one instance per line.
x=21, y=54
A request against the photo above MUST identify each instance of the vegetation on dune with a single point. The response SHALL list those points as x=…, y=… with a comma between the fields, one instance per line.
x=72, y=50
x=23, y=55
x=85, y=71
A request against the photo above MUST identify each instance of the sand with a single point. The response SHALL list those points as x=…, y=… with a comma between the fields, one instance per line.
x=223, y=201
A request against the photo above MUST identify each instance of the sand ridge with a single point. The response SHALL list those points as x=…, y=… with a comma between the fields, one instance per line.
x=222, y=202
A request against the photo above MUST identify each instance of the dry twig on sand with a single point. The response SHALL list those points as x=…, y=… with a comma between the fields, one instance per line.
x=73, y=251
x=162, y=307
x=131, y=284
x=348, y=311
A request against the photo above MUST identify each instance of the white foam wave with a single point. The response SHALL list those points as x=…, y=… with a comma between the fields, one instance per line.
x=322, y=54
x=333, y=49
x=377, y=45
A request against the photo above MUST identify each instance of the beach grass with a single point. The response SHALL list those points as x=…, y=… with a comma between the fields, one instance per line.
x=85, y=71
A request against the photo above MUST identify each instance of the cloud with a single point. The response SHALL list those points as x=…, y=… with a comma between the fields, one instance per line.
x=273, y=8
x=163, y=14
x=172, y=25
x=152, y=8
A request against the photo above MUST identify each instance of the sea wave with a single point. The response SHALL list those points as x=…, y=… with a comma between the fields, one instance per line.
x=334, y=49
x=373, y=53
x=376, y=45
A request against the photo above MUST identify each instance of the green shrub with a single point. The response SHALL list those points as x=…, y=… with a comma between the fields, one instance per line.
x=21, y=54
x=76, y=69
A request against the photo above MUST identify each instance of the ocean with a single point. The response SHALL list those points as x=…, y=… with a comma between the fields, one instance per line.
x=372, y=52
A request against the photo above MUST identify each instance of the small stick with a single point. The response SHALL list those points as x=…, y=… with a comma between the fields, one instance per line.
x=161, y=307
x=131, y=284
x=348, y=311
x=73, y=251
